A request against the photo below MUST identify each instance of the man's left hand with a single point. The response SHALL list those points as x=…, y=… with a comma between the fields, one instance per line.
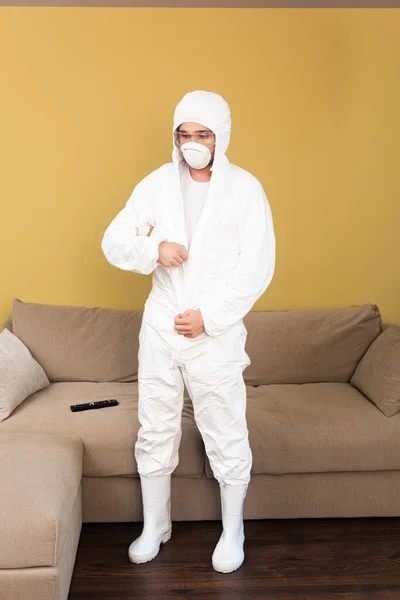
x=190, y=323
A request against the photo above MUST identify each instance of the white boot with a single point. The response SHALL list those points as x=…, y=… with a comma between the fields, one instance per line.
x=229, y=554
x=156, y=496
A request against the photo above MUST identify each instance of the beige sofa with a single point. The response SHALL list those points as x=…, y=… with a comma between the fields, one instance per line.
x=321, y=447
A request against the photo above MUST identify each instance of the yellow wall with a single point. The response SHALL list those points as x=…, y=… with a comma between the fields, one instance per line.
x=86, y=103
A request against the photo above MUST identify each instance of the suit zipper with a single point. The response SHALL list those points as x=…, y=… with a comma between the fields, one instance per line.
x=182, y=267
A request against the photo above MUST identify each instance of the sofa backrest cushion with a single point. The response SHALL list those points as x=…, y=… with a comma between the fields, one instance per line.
x=310, y=345
x=77, y=343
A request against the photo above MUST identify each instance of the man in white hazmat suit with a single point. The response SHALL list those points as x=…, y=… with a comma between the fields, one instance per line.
x=203, y=227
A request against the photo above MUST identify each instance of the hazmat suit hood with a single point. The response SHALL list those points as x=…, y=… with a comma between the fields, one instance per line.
x=212, y=111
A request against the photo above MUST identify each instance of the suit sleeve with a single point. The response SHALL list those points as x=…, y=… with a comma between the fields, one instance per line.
x=125, y=242
x=233, y=299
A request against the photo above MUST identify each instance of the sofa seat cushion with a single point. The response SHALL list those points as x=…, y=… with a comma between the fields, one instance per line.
x=317, y=428
x=108, y=434
x=40, y=479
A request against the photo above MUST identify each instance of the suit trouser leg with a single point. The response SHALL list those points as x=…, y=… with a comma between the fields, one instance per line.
x=218, y=394
x=213, y=373
x=156, y=450
x=161, y=389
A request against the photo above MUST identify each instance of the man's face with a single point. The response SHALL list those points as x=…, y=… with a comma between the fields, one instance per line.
x=195, y=132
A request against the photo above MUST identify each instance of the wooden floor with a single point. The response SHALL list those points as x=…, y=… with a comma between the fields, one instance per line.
x=303, y=559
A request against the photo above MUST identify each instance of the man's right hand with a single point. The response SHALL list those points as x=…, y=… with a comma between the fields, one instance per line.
x=171, y=254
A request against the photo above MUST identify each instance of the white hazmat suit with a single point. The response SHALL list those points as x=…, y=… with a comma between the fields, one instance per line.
x=231, y=263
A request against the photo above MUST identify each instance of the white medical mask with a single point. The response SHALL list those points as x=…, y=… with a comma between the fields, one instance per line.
x=196, y=155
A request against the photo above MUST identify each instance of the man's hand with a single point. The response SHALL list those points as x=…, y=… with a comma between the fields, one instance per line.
x=190, y=323
x=171, y=254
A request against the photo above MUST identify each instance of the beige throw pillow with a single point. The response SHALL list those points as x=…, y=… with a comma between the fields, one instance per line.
x=378, y=373
x=20, y=374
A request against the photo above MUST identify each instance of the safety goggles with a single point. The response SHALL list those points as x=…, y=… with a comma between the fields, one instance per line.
x=206, y=138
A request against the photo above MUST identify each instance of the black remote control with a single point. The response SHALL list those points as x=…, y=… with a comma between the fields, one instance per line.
x=90, y=405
